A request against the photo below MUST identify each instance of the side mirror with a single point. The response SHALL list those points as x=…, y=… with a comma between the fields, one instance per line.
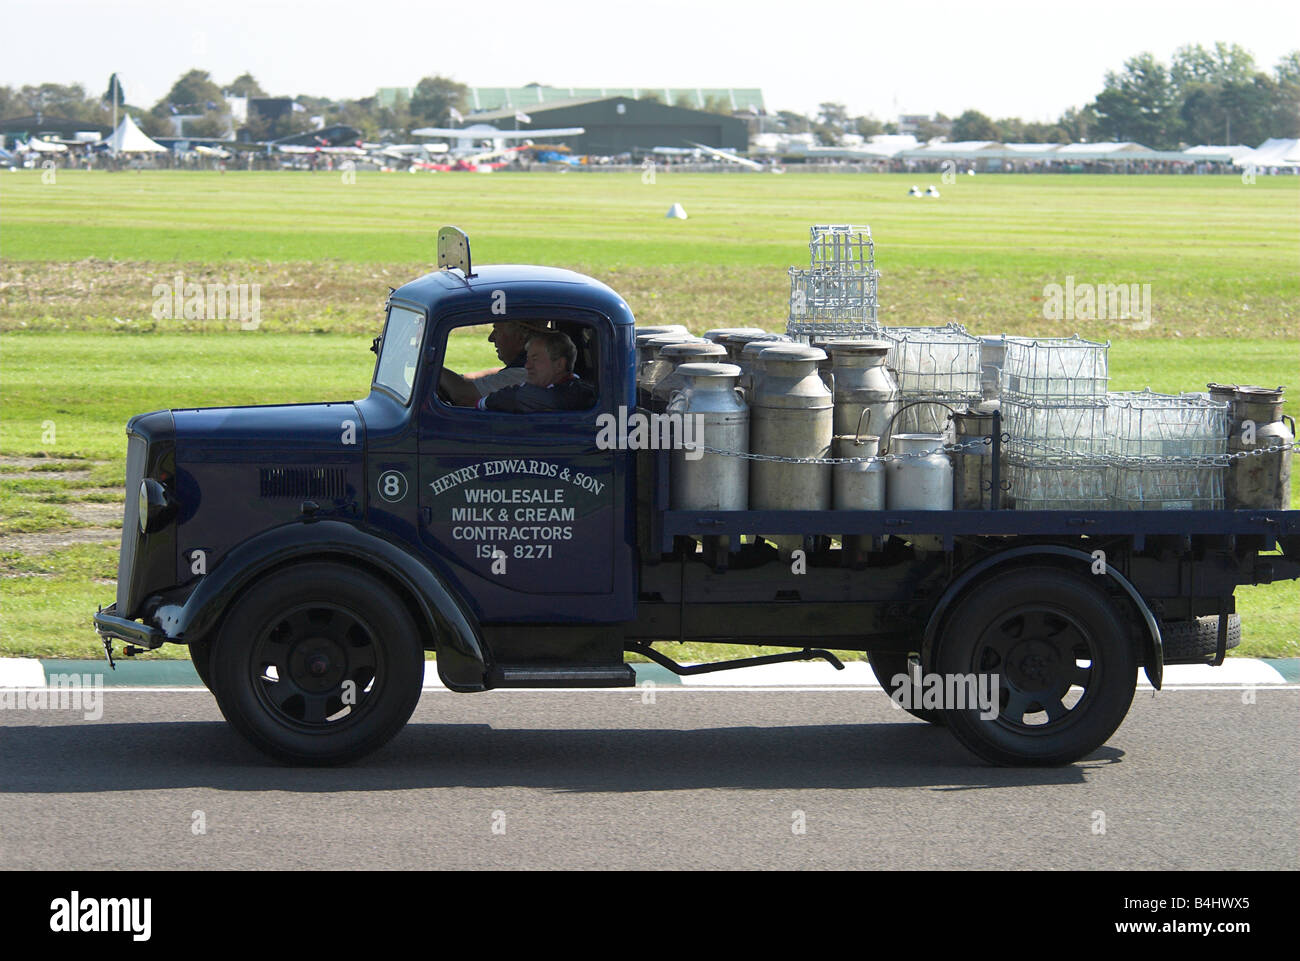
x=374, y=346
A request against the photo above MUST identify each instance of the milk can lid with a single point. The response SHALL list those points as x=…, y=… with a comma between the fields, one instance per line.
x=709, y=370
x=793, y=352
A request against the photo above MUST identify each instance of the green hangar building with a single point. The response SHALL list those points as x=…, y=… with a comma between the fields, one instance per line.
x=617, y=125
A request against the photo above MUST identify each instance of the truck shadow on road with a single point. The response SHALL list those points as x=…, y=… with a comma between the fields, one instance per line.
x=97, y=757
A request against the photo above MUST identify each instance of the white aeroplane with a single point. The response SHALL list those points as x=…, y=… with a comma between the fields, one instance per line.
x=728, y=156
x=467, y=137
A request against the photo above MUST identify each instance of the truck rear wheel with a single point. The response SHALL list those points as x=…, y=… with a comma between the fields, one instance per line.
x=1065, y=665
x=887, y=665
x=201, y=658
x=318, y=664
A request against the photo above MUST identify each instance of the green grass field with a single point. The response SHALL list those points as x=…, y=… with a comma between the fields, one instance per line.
x=80, y=351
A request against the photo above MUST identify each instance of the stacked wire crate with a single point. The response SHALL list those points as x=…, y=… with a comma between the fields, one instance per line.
x=835, y=296
x=1053, y=403
x=938, y=368
x=1169, y=451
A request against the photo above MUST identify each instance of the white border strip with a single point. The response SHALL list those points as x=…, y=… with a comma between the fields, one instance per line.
x=26, y=673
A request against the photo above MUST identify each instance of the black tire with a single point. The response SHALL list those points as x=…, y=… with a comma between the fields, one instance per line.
x=1036, y=630
x=887, y=665
x=318, y=664
x=201, y=658
x=1191, y=642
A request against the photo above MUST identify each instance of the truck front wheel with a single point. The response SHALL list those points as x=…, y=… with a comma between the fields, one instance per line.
x=318, y=664
x=1054, y=651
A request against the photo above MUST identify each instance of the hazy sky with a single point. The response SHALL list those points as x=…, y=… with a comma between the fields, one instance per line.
x=1026, y=59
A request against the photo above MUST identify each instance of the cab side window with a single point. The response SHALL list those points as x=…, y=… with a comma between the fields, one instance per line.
x=525, y=366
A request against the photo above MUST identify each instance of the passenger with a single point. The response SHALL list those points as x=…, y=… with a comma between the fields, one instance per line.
x=466, y=390
x=551, y=383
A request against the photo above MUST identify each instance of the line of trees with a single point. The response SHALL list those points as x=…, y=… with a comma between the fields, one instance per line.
x=1204, y=95
x=197, y=96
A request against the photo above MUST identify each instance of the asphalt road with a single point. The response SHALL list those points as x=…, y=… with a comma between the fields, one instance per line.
x=741, y=779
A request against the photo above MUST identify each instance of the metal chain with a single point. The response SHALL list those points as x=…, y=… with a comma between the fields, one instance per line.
x=1017, y=446
x=881, y=458
x=1193, y=460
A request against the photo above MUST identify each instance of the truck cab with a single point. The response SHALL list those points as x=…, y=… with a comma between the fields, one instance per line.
x=310, y=554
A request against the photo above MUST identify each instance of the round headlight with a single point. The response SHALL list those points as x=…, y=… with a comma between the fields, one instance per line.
x=156, y=508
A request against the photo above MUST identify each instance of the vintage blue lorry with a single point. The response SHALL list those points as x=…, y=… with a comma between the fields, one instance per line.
x=311, y=554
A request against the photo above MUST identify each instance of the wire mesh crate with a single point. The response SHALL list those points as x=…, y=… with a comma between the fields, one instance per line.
x=835, y=296
x=1041, y=483
x=934, y=361
x=1150, y=425
x=819, y=296
x=1056, y=430
x=1055, y=370
x=842, y=248
x=1156, y=485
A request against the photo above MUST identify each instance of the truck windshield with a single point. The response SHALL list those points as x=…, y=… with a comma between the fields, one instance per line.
x=399, y=353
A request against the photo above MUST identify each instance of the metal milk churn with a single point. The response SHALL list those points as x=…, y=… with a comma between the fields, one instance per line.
x=662, y=329
x=751, y=360
x=791, y=415
x=736, y=342
x=858, y=487
x=972, y=469
x=866, y=393
x=918, y=483
x=649, y=366
x=711, y=481
x=673, y=356
x=1262, y=481
x=718, y=335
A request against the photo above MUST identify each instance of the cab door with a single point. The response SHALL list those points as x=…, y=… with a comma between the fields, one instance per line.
x=524, y=510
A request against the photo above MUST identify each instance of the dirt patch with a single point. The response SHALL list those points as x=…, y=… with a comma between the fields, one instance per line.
x=37, y=461
x=64, y=475
x=48, y=541
x=93, y=513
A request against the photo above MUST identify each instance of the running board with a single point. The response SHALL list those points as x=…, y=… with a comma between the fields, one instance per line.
x=562, y=675
x=807, y=654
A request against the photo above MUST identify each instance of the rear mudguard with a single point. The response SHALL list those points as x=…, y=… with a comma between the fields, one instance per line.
x=1152, y=646
x=462, y=665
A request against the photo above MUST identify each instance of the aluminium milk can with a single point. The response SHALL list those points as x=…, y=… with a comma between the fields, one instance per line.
x=719, y=335
x=1262, y=482
x=751, y=360
x=673, y=356
x=862, y=382
x=736, y=342
x=650, y=367
x=918, y=483
x=858, y=487
x=713, y=481
x=792, y=415
x=972, y=469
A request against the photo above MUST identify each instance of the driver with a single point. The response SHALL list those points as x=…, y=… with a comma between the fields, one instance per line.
x=551, y=383
x=466, y=390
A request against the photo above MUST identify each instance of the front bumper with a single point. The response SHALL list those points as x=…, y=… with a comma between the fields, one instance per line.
x=109, y=625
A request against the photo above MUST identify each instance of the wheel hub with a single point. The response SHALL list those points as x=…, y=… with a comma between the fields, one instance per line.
x=317, y=664
x=1032, y=665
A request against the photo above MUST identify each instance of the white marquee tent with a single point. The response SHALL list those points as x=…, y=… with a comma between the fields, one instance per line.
x=128, y=138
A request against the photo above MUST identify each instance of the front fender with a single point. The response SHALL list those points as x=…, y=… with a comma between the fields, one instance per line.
x=1153, y=648
x=462, y=665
